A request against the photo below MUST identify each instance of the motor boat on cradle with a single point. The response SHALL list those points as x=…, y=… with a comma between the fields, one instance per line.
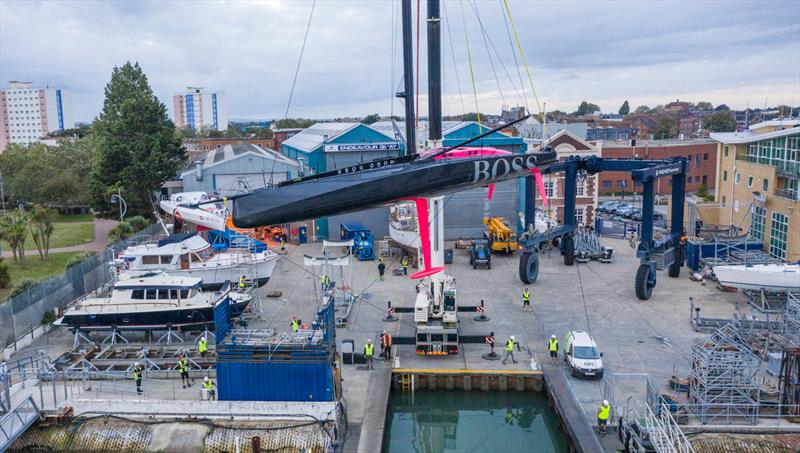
x=183, y=206
x=157, y=301
x=189, y=255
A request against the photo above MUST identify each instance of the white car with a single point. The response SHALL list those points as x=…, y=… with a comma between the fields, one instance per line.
x=582, y=355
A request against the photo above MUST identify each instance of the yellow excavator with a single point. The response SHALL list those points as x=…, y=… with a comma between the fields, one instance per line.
x=501, y=238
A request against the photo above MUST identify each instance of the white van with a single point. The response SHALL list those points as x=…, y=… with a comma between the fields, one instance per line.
x=582, y=355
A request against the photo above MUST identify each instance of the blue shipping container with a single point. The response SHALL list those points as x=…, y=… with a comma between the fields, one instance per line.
x=696, y=250
x=275, y=381
x=348, y=230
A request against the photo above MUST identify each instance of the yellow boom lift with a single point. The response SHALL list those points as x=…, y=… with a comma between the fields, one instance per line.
x=500, y=236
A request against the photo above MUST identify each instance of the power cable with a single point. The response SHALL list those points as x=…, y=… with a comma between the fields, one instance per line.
x=514, y=54
x=300, y=60
x=469, y=59
x=525, y=63
x=488, y=52
x=453, y=54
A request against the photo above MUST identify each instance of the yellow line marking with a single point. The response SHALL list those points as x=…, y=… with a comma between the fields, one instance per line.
x=487, y=372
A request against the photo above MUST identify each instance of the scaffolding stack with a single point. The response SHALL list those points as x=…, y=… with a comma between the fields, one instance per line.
x=791, y=321
x=723, y=383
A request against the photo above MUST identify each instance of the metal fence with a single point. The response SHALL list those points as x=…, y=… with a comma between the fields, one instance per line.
x=20, y=315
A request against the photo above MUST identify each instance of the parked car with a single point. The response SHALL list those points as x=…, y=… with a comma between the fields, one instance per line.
x=582, y=355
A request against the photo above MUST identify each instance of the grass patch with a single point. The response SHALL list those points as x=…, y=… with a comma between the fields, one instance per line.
x=65, y=235
x=61, y=218
x=35, y=268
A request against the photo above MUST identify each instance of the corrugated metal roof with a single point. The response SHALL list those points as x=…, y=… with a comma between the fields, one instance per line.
x=120, y=436
x=736, y=443
x=228, y=152
x=312, y=137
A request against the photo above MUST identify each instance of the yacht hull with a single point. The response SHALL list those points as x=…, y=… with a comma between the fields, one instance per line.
x=142, y=319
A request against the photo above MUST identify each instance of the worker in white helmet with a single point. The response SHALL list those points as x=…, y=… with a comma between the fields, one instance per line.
x=602, y=417
x=510, y=349
x=552, y=346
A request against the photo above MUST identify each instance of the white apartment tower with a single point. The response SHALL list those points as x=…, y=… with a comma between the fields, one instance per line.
x=198, y=109
x=28, y=113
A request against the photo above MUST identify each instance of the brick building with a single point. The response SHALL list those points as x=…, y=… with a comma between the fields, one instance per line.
x=568, y=144
x=701, y=153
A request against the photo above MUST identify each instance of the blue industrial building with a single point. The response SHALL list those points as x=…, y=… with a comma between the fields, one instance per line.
x=328, y=146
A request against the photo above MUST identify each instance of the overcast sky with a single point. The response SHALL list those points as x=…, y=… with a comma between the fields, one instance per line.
x=649, y=52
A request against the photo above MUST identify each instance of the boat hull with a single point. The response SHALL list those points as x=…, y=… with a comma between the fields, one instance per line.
x=769, y=277
x=141, y=320
x=215, y=277
x=376, y=184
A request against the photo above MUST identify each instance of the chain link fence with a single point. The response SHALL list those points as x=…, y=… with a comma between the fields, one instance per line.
x=20, y=315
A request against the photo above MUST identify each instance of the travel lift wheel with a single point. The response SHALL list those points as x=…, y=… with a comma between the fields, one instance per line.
x=645, y=281
x=568, y=247
x=529, y=266
x=674, y=269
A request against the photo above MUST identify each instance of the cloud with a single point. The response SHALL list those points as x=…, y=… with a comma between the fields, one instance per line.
x=605, y=52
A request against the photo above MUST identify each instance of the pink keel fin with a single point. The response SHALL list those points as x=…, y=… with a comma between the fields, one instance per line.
x=537, y=175
x=425, y=239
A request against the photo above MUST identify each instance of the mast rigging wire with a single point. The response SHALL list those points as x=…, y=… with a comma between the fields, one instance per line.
x=300, y=60
x=469, y=59
x=453, y=55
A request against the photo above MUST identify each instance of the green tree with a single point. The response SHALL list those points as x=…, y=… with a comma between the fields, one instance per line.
x=135, y=144
x=265, y=132
x=665, y=129
x=15, y=230
x=721, y=121
x=625, y=108
x=369, y=119
x=40, y=223
x=5, y=274
x=586, y=108
x=703, y=105
x=642, y=109
x=292, y=123
x=122, y=231
x=185, y=132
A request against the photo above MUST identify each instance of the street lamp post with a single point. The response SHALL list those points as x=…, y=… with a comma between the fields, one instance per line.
x=123, y=207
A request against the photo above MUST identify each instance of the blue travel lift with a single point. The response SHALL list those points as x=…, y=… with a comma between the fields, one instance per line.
x=668, y=253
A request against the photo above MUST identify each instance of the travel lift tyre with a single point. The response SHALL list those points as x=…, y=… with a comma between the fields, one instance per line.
x=529, y=266
x=668, y=253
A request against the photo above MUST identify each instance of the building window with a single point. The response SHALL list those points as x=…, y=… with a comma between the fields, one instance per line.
x=697, y=178
x=580, y=189
x=726, y=150
x=757, y=219
x=778, y=232
x=750, y=181
x=705, y=156
x=737, y=178
x=550, y=189
x=606, y=183
x=697, y=161
x=723, y=200
x=705, y=179
x=579, y=216
x=765, y=185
